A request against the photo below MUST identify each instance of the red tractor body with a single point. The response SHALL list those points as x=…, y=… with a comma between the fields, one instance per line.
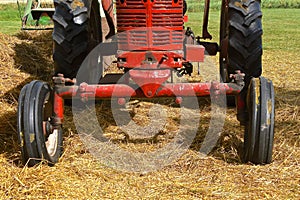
x=150, y=25
x=151, y=47
x=151, y=37
x=153, y=28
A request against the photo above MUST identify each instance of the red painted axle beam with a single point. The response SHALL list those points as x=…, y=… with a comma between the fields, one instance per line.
x=86, y=91
x=179, y=90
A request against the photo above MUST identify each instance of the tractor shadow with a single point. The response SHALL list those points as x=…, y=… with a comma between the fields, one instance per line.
x=223, y=143
x=227, y=147
x=33, y=56
x=229, y=144
x=9, y=146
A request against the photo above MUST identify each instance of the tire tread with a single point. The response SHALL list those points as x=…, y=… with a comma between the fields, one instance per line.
x=245, y=33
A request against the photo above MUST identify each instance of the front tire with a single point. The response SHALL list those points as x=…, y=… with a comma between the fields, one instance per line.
x=20, y=126
x=39, y=138
x=259, y=131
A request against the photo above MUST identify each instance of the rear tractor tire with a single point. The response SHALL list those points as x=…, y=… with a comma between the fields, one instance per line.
x=77, y=30
x=39, y=140
x=241, y=38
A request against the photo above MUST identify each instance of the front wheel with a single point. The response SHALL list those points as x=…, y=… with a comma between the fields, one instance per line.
x=259, y=131
x=39, y=138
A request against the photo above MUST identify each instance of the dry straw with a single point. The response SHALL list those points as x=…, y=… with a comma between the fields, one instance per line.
x=78, y=175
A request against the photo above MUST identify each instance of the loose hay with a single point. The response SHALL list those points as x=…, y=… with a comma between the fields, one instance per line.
x=79, y=176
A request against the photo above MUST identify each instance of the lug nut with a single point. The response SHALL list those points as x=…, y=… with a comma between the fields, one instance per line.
x=178, y=100
x=121, y=101
x=149, y=93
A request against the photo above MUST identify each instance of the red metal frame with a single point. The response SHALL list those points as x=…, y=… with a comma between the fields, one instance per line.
x=179, y=90
x=86, y=91
x=150, y=48
x=150, y=59
x=58, y=108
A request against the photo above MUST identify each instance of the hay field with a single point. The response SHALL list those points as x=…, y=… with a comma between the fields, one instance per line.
x=221, y=175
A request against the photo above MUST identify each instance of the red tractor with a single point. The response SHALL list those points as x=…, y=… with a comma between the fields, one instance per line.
x=151, y=46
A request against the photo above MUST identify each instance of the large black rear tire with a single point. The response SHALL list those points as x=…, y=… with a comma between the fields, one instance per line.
x=240, y=40
x=245, y=38
x=77, y=30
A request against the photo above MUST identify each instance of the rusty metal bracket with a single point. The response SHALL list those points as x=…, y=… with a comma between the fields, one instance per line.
x=238, y=78
x=60, y=80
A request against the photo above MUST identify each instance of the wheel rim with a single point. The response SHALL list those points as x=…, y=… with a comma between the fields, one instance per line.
x=51, y=134
x=42, y=140
x=51, y=143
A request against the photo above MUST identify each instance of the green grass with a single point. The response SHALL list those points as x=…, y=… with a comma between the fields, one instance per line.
x=276, y=33
x=198, y=5
x=281, y=29
x=280, y=3
x=10, y=27
x=10, y=22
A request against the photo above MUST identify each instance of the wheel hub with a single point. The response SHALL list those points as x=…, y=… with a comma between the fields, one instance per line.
x=51, y=143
